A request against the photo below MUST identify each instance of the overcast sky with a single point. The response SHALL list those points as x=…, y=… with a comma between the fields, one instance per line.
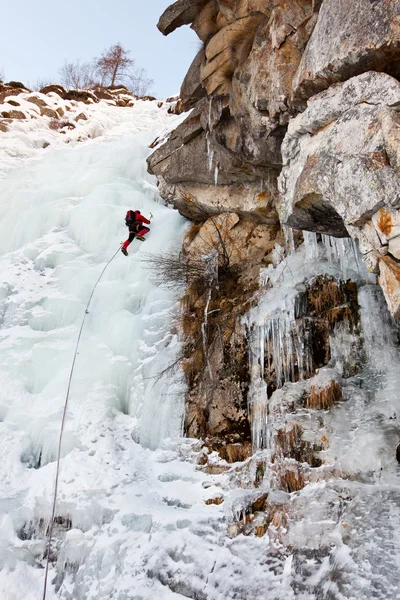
x=38, y=35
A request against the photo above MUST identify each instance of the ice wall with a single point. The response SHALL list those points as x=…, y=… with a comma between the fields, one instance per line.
x=62, y=217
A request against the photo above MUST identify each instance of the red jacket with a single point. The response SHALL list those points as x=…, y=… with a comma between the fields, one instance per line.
x=141, y=218
x=137, y=218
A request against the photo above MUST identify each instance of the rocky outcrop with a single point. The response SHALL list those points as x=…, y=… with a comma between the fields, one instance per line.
x=341, y=168
x=349, y=38
x=180, y=13
x=54, y=101
x=243, y=69
x=260, y=62
x=215, y=357
x=13, y=88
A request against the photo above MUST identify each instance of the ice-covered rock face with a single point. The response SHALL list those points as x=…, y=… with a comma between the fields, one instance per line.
x=341, y=175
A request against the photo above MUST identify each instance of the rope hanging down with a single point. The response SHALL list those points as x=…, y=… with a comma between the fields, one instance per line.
x=63, y=423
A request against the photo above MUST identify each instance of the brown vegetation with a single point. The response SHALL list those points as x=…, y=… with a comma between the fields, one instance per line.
x=324, y=398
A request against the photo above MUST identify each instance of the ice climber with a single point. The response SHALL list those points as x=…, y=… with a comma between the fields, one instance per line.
x=134, y=221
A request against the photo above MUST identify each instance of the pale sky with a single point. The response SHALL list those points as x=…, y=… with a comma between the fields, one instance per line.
x=37, y=36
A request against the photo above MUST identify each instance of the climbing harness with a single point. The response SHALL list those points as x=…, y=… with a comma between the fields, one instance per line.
x=63, y=423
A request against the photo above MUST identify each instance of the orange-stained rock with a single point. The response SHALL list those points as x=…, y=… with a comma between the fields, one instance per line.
x=389, y=279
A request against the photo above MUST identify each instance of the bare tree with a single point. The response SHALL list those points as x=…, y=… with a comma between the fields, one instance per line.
x=1, y=75
x=78, y=75
x=113, y=63
x=115, y=67
x=138, y=82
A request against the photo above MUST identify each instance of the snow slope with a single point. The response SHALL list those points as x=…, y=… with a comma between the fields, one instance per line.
x=132, y=518
x=61, y=218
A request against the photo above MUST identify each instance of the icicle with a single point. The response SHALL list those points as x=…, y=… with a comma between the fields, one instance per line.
x=289, y=240
x=219, y=108
x=356, y=254
x=262, y=349
x=258, y=396
x=210, y=152
x=204, y=331
x=264, y=277
x=211, y=272
x=311, y=244
x=216, y=171
x=210, y=114
x=326, y=240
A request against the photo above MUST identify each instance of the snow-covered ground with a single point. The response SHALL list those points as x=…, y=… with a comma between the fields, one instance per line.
x=129, y=486
x=132, y=518
x=61, y=218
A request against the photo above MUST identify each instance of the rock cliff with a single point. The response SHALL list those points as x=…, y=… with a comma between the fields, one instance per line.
x=288, y=166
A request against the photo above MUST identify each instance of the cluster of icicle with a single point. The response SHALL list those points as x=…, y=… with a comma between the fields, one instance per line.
x=281, y=344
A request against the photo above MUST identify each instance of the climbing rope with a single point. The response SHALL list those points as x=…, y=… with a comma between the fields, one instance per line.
x=63, y=423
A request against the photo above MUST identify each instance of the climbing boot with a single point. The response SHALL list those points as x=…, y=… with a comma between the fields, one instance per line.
x=141, y=237
x=124, y=251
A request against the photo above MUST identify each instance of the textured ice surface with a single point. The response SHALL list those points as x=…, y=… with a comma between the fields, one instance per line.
x=132, y=519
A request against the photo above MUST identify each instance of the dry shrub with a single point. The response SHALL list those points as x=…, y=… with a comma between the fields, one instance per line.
x=290, y=443
x=324, y=295
x=292, y=480
x=237, y=452
x=56, y=124
x=216, y=500
x=171, y=270
x=334, y=301
x=324, y=398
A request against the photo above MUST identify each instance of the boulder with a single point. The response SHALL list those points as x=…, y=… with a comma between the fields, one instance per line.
x=205, y=23
x=349, y=38
x=81, y=117
x=199, y=201
x=35, y=100
x=262, y=85
x=183, y=134
x=227, y=50
x=179, y=13
x=232, y=11
x=16, y=85
x=13, y=114
x=117, y=89
x=85, y=96
x=233, y=34
x=243, y=238
x=45, y=111
x=341, y=173
x=103, y=94
x=57, y=89
x=4, y=125
x=6, y=91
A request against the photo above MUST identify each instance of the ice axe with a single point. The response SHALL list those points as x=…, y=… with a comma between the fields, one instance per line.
x=151, y=216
